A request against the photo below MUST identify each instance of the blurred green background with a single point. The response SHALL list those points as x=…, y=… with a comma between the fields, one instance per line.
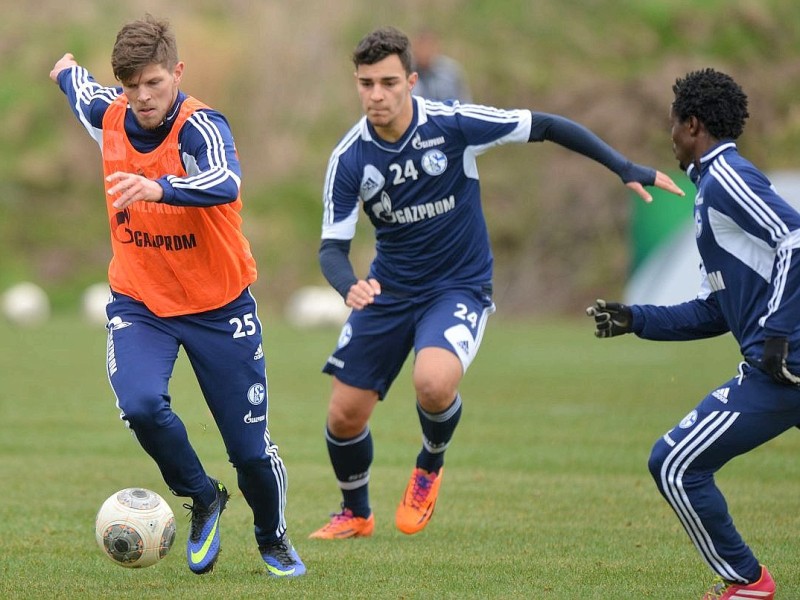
x=281, y=73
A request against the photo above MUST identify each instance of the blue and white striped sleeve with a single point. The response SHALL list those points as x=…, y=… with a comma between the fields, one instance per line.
x=87, y=99
x=212, y=165
x=755, y=206
x=341, y=191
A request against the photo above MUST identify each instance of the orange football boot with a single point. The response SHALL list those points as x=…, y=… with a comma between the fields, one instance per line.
x=419, y=500
x=345, y=525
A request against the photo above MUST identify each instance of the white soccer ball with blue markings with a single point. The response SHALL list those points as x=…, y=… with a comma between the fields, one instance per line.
x=135, y=528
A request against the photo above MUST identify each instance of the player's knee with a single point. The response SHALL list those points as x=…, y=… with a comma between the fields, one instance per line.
x=434, y=394
x=349, y=410
x=259, y=474
x=145, y=411
x=253, y=462
x=344, y=423
x=436, y=378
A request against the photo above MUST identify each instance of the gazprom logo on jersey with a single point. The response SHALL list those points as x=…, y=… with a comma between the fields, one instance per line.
x=120, y=229
x=419, y=144
x=384, y=211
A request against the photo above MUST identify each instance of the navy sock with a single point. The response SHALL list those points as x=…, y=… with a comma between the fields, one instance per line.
x=437, y=431
x=351, y=460
x=207, y=496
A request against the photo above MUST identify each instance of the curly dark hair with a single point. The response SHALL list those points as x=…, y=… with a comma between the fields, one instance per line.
x=715, y=99
x=381, y=43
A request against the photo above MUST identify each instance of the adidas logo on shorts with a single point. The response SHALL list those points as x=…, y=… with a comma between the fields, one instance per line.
x=721, y=394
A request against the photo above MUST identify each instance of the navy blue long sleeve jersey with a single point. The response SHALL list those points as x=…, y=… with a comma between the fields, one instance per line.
x=747, y=236
x=422, y=193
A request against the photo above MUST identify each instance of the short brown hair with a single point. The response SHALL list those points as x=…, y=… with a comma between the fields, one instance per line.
x=382, y=43
x=140, y=43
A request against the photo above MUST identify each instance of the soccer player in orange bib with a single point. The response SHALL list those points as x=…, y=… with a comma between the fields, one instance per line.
x=179, y=277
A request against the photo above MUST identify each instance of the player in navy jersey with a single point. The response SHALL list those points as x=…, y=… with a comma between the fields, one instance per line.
x=410, y=164
x=180, y=275
x=747, y=237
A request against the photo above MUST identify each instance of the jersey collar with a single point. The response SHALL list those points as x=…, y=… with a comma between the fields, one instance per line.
x=368, y=131
x=708, y=157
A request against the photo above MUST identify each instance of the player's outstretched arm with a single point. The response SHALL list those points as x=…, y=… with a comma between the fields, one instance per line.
x=663, y=181
x=580, y=139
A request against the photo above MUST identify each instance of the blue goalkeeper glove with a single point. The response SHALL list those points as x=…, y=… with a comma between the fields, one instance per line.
x=610, y=318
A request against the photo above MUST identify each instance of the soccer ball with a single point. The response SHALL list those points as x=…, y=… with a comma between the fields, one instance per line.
x=316, y=306
x=93, y=303
x=135, y=528
x=26, y=304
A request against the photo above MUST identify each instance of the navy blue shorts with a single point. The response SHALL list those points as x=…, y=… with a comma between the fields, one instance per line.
x=375, y=342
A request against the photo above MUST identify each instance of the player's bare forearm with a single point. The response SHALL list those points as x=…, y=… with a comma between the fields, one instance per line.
x=663, y=181
x=133, y=188
x=362, y=293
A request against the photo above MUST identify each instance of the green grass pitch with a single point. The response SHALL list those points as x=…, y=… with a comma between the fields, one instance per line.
x=546, y=492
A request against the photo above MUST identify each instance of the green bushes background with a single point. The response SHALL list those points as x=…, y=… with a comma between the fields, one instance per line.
x=281, y=73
